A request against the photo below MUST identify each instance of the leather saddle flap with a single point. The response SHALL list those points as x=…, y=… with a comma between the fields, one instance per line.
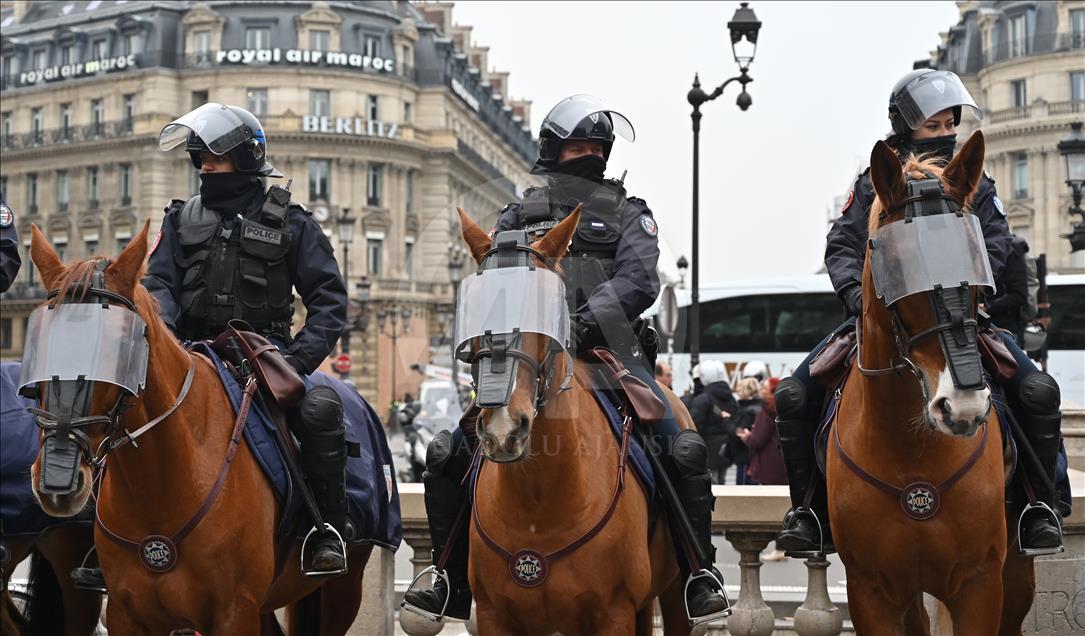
x=638, y=397
x=834, y=360
x=996, y=357
x=272, y=371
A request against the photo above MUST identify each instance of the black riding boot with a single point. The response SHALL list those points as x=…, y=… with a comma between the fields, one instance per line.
x=324, y=459
x=1040, y=529
x=445, y=499
x=806, y=527
x=705, y=598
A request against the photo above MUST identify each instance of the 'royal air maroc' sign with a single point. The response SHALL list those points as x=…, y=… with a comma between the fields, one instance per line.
x=306, y=58
x=78, y=69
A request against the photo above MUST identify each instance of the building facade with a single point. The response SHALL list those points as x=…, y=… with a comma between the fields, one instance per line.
x=384, y=115
x=1024, y=63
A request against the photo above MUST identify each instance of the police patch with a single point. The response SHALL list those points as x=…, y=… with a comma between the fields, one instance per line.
x=6, y=216
x=157, y=553
x=263, y=235
x=920, y=501
x=847, y=204
x=528, y=568
x=648, y=224
x=157, y=240
x=998, y=205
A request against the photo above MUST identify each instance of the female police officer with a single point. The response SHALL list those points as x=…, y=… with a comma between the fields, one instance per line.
x=925, y=108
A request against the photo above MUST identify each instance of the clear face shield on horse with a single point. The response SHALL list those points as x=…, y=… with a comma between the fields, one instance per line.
x=508, y=298
x=937, y=250
x=70, y=348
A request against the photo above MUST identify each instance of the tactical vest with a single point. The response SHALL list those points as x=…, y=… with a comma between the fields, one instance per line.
x=590, y=262
x=235, y=268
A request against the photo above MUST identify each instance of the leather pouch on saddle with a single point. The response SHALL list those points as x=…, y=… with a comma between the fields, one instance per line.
x=615, y=379
x=829, y=367
x=996, y=356
x=275, y=375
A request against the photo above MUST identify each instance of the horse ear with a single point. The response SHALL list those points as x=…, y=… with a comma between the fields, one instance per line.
x=886, y=174
x=962, y=174
x=45, y=258
x=478, y=241
x=128, y=267
x=556, y=242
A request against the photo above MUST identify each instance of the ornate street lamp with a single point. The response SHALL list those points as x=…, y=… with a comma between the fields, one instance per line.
x=744, y=27
x=457, y=257
x=1072, y=149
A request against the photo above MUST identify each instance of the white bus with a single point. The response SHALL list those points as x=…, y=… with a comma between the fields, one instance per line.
x=779, y=320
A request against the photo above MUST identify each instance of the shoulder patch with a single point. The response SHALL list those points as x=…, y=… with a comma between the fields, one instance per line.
x=998, y=205
x=157, y=240
x=648, y=224
x=7, y=217
x=847, y=204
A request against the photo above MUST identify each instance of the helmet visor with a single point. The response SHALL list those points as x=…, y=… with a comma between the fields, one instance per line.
x=930, y=94
x=213, y=123
x=564, y=117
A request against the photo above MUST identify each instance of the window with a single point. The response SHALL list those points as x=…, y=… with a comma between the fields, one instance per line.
x=9, y=68
x=122, y=243
x=372, y=108
x=1067, y=317
x=373, y=184
x=125, y=183
x=5, y=333
x=61, y=247
x=5, y=125
x=258, y=37
x=257, y=101
x=374, y=254
x=1020, y=96
x=90, y=247
x=32, y=193
x=99, y=49
x=63, y=190
x=408, y=112
x=128, y=108
x=65, y=121
x=1077, y=29
x=372, y=46
x=131, y=43
x=1018, y=37
x=408, y=258
x=201, y=44
x=768, y=322
x=1077, y=86
x=319, y=40
x=319, y=187
x=38, y=59
x=67, y=54
x=92, y=187
x=408, y=197
x=319, y=103
x=199, y=98
x=1020, y=179
x=35, y=124
x=96, y=116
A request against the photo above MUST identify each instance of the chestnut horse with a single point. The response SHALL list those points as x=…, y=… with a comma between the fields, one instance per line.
x=54, y=605
x=551, y=478
x=228, y=576
x=902, y=422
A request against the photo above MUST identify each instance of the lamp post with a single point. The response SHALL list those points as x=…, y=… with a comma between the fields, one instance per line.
x=345, y=228
x=361, y=321
x=744, y=27
x=457, y=256
x=1072, y=149
x=395, y=316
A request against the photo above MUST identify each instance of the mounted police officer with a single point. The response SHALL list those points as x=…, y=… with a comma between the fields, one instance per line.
x=9, y=246
x=925, y=108
x=235, y=251
x=610, y=278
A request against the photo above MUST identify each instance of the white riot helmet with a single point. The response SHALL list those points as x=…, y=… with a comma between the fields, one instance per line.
x=713, y=371
x=755, y=369
x=696, y=372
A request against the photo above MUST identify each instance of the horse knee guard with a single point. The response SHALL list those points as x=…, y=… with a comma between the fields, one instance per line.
x=1040, y=394
x=790, y=398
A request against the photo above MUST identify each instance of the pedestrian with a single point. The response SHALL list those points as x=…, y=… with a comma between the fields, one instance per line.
x=664, y=375
x=747, y=390
x=763, y=441
x=712, y=412
x=687, y=397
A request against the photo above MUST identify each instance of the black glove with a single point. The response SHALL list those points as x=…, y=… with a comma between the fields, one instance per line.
x=298, y=365
x=852, y=296
x=580, y=328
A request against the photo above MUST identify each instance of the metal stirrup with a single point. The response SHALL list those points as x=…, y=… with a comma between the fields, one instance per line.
x=1048, y=512
x=440, y=574
x=809, y=554
x=708, y=618
x=343, y=545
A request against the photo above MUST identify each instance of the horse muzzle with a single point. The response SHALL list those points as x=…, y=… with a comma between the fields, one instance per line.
x=505, y=438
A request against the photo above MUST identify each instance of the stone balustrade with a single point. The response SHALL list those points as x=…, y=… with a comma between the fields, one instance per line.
x=750, y=516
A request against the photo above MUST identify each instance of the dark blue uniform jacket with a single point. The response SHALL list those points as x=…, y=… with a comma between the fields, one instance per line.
x=314, y=274
x=847, y=239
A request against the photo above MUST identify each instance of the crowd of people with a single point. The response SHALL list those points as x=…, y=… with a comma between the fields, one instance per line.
x=736, y=419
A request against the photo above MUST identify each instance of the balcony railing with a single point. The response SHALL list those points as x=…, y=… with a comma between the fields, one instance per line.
x=1039, y=109
x=71, y=134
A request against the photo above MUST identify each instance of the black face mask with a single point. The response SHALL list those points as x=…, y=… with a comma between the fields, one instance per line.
x=577, y=178
x=228, y=191
x=939, y=148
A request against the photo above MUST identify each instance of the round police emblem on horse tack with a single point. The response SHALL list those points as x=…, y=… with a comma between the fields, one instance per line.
x=6, y=217
x=528, y=568
x=920, y=501
x=158, y=553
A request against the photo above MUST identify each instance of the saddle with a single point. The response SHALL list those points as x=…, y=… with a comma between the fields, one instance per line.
x=622, y=387
x=248, y=352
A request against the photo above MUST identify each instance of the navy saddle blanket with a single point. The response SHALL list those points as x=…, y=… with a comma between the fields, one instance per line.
x=372, y=494
x=19, y=510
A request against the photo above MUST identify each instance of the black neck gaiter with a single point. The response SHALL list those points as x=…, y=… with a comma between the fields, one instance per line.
x=228, y=192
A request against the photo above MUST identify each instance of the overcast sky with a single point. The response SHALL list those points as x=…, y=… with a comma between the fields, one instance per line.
x=769, y=175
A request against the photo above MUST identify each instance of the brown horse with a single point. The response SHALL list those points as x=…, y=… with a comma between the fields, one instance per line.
x=550, y=479
x=903, y=422
x=54, y=605
x=229, y=574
